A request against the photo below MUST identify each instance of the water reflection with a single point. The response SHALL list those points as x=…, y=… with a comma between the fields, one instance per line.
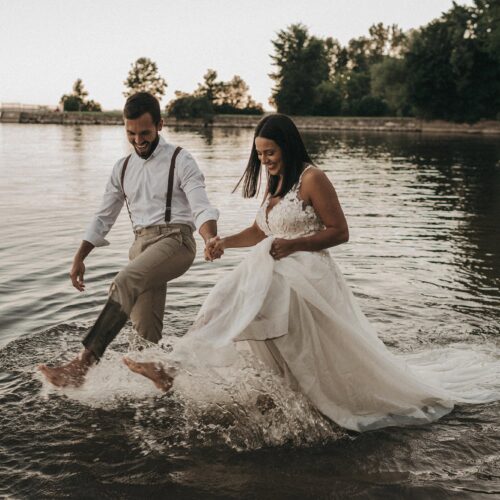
x=423, y=260
x=423, y=212
x=454, y=182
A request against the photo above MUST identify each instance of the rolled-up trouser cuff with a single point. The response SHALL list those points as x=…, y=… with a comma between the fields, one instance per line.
x=107, y=326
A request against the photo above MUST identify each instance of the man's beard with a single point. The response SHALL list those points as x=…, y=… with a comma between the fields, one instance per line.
x=152, y=146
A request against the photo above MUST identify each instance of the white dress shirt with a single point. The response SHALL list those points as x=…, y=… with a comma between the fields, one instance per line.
x=145, y=185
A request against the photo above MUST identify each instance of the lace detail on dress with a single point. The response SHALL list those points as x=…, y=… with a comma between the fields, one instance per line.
x=289, y=218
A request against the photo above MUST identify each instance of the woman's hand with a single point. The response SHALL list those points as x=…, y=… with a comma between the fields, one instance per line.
x=281, y=248
x=214, y=248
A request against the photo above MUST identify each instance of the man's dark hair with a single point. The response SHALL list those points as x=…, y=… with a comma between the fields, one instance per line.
x=140, y=103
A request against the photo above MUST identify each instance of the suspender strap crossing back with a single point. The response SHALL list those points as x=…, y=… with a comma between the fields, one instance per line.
x=170, y=188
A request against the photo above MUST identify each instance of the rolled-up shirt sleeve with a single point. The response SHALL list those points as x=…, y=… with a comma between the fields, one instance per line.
x=111, y=205
x=192, y=182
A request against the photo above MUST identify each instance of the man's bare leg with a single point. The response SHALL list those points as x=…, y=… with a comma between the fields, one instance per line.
x=153, y=371
x=71, y=374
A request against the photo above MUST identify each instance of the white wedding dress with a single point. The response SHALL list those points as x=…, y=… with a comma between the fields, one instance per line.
x=301, y=319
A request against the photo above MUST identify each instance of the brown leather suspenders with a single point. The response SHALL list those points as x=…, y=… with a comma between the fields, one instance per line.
x=124, y=168
x=168, y=208
x=170, y=188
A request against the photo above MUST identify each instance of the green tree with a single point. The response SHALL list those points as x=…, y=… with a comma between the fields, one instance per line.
x=79, y=90
x=227, y=97
x=327, y=99
x=337, y=57
x=144, y=77
x=452, y=72
x=388, y=82
x=91, y=105
x=77, y=100
x=213, y=96
x=302, y=63
x=485, y=26
x=190, y=106
x=71, y=102
x=211, y=88
x=363, y=54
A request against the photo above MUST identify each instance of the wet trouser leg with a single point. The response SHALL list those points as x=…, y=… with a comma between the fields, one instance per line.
x=139, y=289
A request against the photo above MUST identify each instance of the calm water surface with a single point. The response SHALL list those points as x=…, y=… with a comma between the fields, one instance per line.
x=423, y=259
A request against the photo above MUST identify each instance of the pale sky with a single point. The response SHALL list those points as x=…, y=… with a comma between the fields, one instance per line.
x=47, y=44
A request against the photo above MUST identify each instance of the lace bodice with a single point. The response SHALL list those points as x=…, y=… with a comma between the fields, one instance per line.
x=289, y=218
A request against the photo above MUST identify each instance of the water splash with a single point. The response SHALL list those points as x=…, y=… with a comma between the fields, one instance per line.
x=243, y=407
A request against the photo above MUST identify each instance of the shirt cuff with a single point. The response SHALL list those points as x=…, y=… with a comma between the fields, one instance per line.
x=95, y=239
x=206, y=215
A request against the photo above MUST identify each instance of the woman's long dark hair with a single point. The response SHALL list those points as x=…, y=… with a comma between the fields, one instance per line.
x=280, y=129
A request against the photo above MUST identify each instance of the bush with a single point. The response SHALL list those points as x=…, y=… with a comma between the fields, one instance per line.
x=72, y=103
x=228, y=109
x=367, y=106
x=190, y=106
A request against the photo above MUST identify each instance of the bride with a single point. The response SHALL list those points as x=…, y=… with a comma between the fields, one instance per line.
x=289, y=301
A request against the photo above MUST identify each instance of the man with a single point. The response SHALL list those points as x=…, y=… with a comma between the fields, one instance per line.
x=164, y=191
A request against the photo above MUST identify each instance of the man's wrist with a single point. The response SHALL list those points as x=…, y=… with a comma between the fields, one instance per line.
x=208, y=230
x=78, y=258
x=208, y=237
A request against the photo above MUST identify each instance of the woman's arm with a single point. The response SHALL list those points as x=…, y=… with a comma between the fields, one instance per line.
x=246, y=238
x=318, y=191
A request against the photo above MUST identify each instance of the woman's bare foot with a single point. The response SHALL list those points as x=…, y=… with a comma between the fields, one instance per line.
x=71, y=374
x=153, y=371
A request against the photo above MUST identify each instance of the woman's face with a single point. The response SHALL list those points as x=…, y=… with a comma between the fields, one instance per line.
x=269, y=154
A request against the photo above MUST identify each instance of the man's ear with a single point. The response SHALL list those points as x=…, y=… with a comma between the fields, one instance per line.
x=160, y=125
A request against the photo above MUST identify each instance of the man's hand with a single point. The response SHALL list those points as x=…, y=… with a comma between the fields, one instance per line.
x=281, y=248
x=76, y=274
x=78, y=268
x=214, y=248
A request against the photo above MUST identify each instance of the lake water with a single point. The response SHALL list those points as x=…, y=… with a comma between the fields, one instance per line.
x=423, y=260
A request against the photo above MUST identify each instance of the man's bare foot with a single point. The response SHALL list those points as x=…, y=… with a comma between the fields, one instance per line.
x=71, y=374
x=153, y=371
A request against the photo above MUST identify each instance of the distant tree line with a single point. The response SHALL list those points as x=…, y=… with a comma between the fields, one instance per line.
x=449, y=69
x=214, y=97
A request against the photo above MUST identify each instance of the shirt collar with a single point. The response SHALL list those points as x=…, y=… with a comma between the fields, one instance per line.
x=161, y=144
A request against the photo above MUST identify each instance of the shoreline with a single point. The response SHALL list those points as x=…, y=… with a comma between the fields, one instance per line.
x=320, y=123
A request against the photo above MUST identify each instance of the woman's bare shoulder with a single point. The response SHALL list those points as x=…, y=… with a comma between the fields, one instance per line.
x=314, y=176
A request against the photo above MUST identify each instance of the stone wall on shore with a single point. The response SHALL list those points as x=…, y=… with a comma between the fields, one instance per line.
x=383, y=124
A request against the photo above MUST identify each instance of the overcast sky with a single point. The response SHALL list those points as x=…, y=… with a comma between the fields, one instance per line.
x=47, y=44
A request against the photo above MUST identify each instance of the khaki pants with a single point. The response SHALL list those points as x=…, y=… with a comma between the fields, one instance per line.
x=159, y=254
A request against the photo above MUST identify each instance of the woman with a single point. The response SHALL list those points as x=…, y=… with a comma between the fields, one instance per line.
x=290, y=302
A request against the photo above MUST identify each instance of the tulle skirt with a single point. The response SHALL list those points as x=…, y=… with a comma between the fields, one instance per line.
x=301, y=320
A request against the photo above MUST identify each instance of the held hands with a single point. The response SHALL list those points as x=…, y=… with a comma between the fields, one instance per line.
x=76, y=275
x=214, y=248
x=281, y=248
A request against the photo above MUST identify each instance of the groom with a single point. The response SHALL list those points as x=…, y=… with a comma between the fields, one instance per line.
x=164, y=191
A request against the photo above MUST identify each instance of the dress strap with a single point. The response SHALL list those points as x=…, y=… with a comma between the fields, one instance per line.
x=299, y=182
